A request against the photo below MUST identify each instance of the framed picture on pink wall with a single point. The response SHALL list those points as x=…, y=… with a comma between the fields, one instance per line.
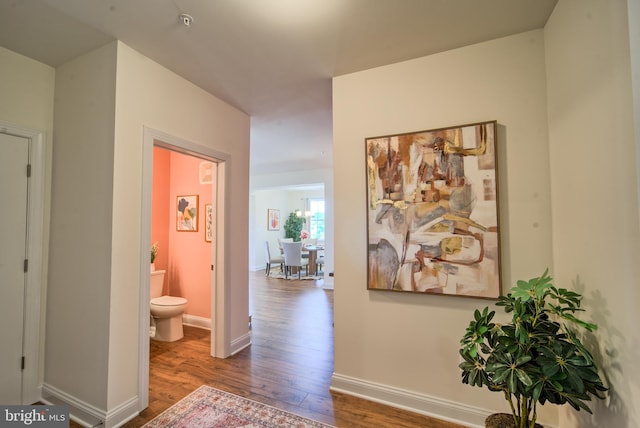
x=208, y=222
x=187, y=213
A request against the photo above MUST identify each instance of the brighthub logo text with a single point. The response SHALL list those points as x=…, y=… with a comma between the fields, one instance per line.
x=36, y=416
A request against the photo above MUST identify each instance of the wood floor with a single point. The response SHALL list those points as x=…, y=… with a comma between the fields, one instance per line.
x=288, y=365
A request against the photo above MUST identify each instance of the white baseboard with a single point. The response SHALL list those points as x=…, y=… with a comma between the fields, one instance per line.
x=411, y=401
x=240, y=343
x=237, y=344
x=88, y=415
x=196, y=321
x=256, y=268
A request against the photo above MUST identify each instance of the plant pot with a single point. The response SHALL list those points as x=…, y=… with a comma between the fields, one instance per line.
x=502, y=420
x=153, y=267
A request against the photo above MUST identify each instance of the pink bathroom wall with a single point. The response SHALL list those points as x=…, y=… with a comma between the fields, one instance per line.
x=160, y=207
x=189, y=273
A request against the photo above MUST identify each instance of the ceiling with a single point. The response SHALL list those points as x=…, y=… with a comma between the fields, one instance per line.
x=273, y=59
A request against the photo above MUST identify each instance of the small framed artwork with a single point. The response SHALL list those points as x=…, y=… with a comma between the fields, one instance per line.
x=432, y=212
x=187, y=213
x=208, y=222
x=205, y=172
x=273, y=219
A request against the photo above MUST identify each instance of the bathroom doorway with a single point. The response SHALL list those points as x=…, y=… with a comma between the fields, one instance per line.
x=220, y=341
x=181, y=229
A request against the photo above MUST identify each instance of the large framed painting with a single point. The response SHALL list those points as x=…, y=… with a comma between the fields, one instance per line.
x=187, y=213
x=432, y=212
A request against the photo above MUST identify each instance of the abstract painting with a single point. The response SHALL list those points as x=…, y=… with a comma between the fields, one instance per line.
x=432, y=212
x=187, y=213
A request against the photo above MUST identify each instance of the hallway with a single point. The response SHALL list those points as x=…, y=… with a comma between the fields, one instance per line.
x=288, y=365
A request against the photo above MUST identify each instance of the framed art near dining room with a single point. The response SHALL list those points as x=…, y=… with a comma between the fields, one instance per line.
x=273, y=219
x=187, y=213
x=432, y=212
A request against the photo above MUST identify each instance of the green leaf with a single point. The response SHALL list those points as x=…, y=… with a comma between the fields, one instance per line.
x=501, y=375
x=523, y=377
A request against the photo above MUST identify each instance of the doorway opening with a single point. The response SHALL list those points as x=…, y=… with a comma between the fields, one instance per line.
x=220, y=338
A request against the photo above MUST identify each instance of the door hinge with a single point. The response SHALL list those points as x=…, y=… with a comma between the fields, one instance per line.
x=211, y=267
x=26, y=265
x=22, y=363
x=29, y=170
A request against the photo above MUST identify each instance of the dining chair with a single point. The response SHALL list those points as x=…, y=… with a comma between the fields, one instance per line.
x=281, y=240
x=271, y=260
x=319, y=264
x=293, y=258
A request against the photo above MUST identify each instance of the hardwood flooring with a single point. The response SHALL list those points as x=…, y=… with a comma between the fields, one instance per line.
x=288, y=365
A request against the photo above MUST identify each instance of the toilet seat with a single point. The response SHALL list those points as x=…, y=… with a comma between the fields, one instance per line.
x=168, y=301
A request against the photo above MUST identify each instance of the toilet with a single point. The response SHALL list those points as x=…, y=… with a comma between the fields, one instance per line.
x=166, y=311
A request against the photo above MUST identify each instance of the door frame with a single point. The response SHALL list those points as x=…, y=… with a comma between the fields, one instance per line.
x=31, y=375
x=220, y=287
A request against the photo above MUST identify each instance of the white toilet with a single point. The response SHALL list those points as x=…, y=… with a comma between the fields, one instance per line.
x=166, y=311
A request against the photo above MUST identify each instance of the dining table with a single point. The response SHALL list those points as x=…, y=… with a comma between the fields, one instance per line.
x=313, y=256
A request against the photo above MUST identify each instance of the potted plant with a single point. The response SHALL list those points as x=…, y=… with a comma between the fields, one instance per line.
x=537, y=357
x=293, y=226
x=154, y=254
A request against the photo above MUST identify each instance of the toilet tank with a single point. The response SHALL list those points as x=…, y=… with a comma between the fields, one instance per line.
x=157, y=283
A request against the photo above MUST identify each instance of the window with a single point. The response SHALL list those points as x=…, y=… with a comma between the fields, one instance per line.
x=316, y=219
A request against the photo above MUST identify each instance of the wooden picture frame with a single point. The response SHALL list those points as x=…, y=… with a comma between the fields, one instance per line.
x=273, y=219
x=187, y=213
x=432, y=212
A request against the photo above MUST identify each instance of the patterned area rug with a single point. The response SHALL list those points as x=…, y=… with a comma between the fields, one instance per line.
x=210, y=407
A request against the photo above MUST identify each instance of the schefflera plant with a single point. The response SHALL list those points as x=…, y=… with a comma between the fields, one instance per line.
x=537, y=357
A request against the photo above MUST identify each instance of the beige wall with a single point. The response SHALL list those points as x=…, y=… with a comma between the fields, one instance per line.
x=569, y=200
x=594, y=176
x=103, y=101
x=26, y=101
x=80, y=242
x=26, y=92
x=150, y=95
x=401, y=347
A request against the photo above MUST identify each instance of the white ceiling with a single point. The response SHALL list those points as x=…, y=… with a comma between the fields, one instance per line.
x=273, y=59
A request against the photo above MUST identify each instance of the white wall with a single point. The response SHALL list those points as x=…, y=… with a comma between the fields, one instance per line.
x=77, y=328
x=26, y=89
x=403, y=347
x=263, y=200
x=103, y=101
x=267, y=182
x=287, y=201
x=150, y=95
x=594, y=176
x=26, y=100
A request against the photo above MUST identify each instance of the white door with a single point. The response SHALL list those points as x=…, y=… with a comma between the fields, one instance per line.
x=14, y=157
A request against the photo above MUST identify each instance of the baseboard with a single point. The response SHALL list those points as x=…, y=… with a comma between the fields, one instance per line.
x=123, y=413
x=240, y=343
x=79, y=411
x=87, y=415
x=412, y=401
x=196, y=321
x=237, y=345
